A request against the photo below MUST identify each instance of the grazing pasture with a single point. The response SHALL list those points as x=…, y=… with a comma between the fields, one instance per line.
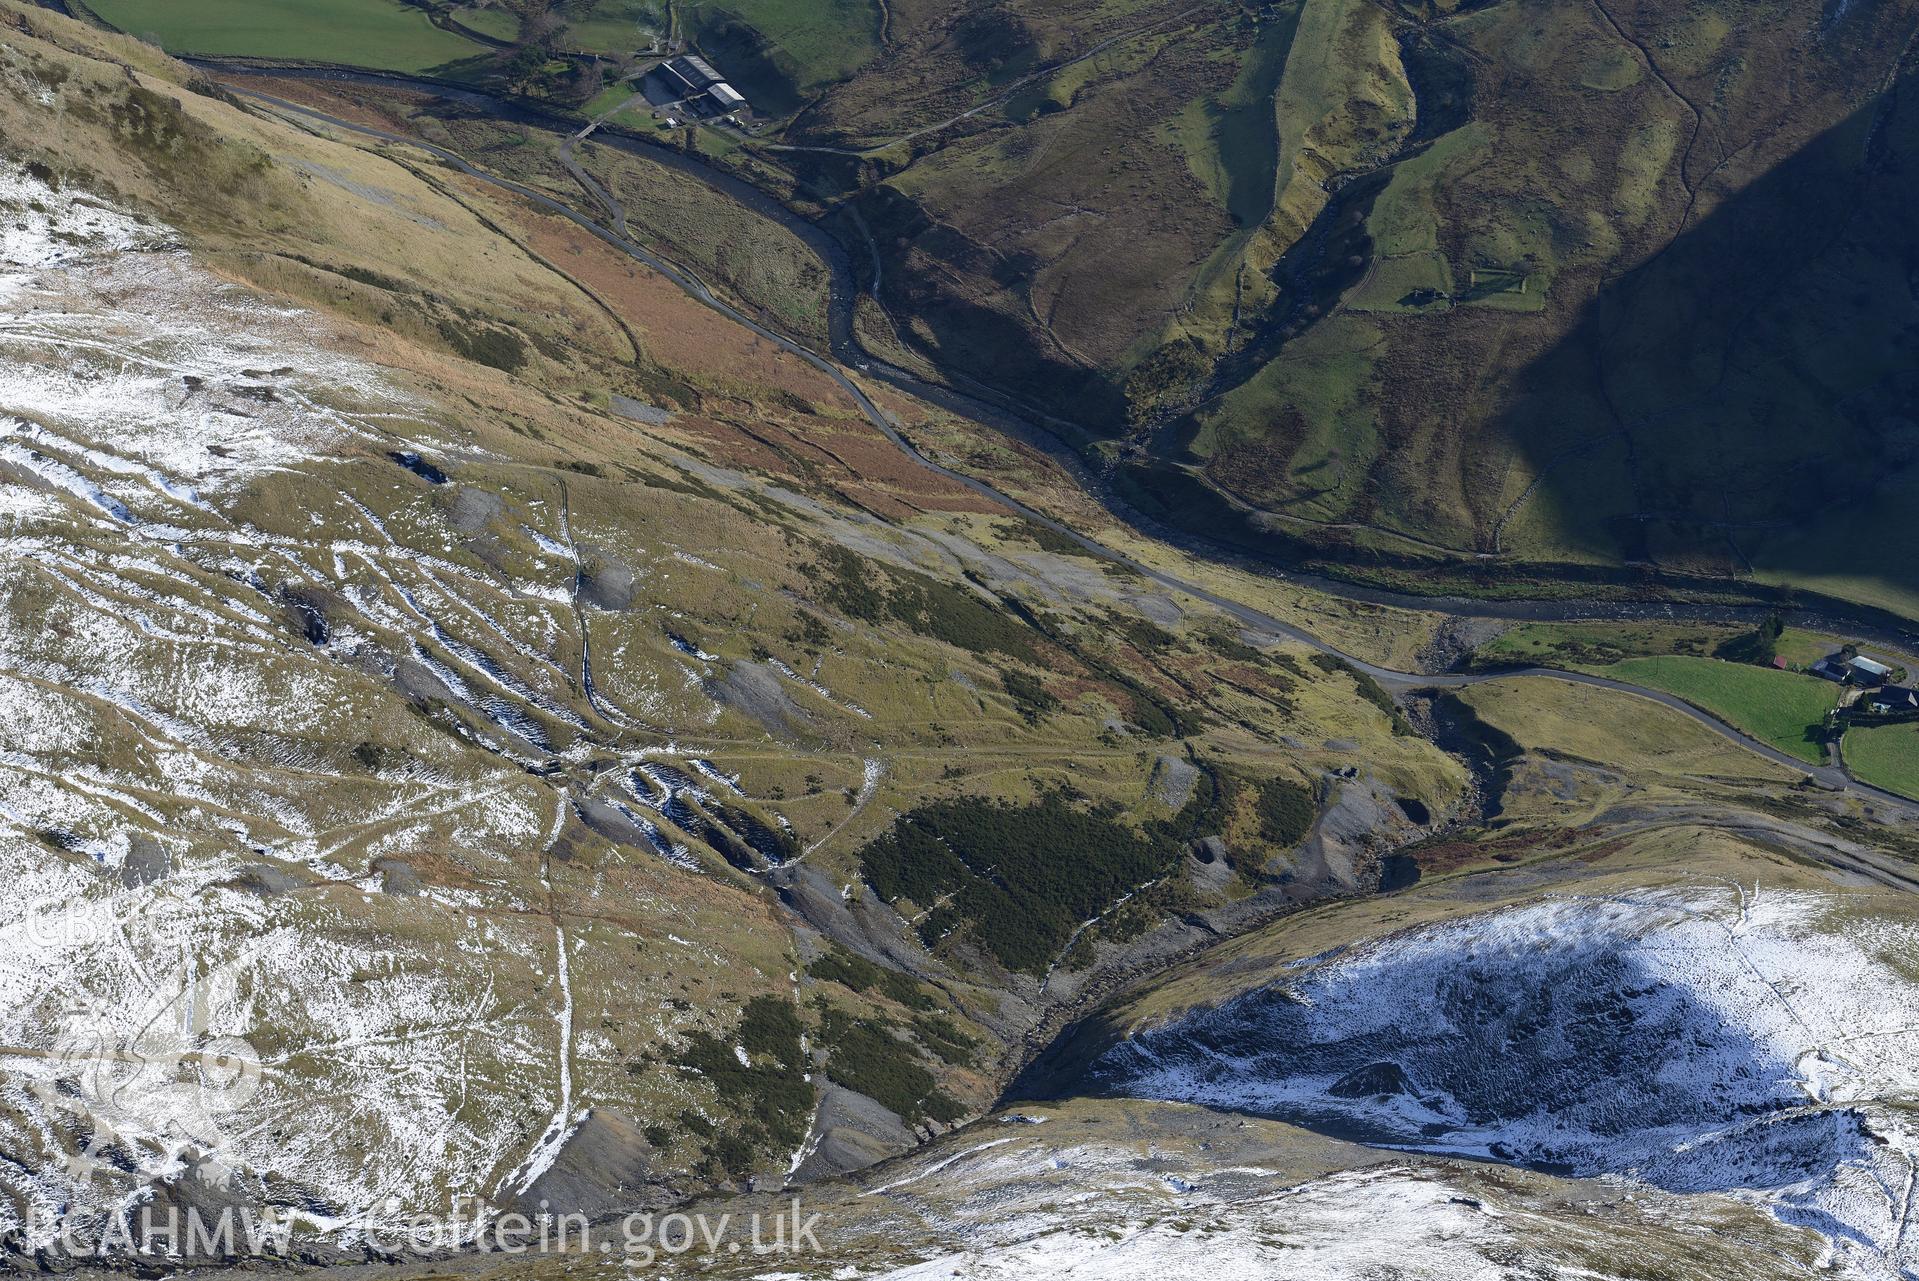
x=382, y=34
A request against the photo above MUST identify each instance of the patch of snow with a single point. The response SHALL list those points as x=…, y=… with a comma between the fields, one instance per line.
x=712, y=772
x=550, y=546
x=60, y=476
x=1675, y=1038
x=117, y=339
x=563, y=1125
x=1346, y=1227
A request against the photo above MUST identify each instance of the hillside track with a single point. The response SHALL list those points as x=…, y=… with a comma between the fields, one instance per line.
x=1831, y=777
x=965, y=398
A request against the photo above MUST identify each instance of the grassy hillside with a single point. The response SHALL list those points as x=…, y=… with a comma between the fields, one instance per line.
x=1598, y=288
x=1781, y=708
x=373, y=33
x=1401, y=293
x=581, y=733
x=1618, y=835
x=1573, y=332
x=524, y=660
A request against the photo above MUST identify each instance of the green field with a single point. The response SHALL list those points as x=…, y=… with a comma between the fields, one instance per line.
x=1887, y=757
x=363, y=33
x=501, y=24
x=614, y=26
x=1590, y=646
x=1782, y=709
x=1231, y=142
x=608, y=99
x=808, y=43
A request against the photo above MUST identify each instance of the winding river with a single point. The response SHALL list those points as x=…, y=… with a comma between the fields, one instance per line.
x=846, y=352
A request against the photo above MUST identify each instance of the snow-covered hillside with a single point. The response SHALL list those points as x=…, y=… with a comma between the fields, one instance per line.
x=1344, y=1227
x=269, y=923
x=1105, y=1189
x=1703, y=1040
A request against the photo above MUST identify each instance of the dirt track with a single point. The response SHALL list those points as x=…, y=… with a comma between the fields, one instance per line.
x=1828, y=776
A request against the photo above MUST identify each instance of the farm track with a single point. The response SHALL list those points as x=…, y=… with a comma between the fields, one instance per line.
x=983, y=406
x=1828, y=776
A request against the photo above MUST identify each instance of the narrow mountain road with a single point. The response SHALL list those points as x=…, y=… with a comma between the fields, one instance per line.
x=570, y=162
x=1825, y=775
x=981, y=406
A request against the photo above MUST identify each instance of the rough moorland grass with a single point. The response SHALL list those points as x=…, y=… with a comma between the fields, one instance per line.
x=363, y=33
x=1886, y=756
x=760, y=261
x=928, y=606
x=1618, y=730
x=822, y=41
x=1783, y=709
x=1599, y=644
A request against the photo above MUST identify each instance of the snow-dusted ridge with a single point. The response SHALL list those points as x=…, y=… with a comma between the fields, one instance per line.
x=1693, y=1040
x=192, y=830
x=114, y=342
x=1100, y=1190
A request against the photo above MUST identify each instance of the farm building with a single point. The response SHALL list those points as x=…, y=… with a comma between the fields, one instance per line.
x=687, y=76
x=1893, y=698
x=1859, y=669
x=725, y=97
x=1869, y=671
x=699, y=70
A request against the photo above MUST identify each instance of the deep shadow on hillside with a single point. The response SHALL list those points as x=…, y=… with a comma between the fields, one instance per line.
x=1751, y=383
x=1751, y=379
x=975, y=339
x=1523, y=1037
